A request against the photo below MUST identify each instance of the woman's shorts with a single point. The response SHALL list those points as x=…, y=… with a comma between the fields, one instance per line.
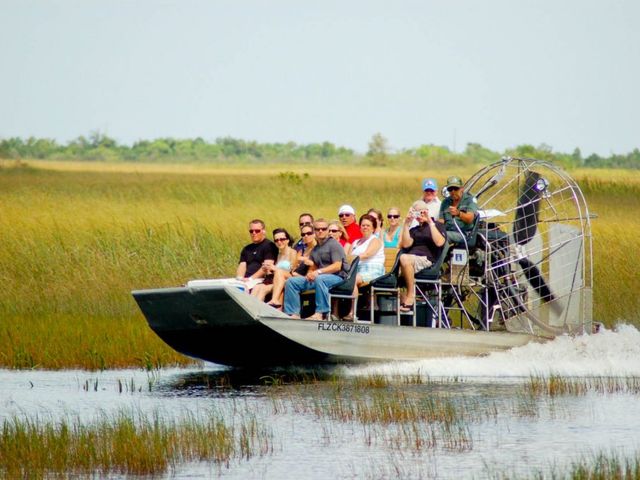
x=368, y=271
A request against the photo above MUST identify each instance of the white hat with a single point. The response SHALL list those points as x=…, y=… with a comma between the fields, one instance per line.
x=346, y=209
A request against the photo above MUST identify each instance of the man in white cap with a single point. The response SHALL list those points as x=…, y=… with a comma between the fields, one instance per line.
x=347, y=216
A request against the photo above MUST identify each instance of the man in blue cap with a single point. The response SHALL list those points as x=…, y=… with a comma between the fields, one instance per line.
x=458, y=210
x=430, y=197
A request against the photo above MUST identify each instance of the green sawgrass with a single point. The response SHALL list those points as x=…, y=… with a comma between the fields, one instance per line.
x=125, y=443
x=75, y=243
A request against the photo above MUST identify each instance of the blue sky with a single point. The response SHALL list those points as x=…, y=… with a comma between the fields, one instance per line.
x=497, y=72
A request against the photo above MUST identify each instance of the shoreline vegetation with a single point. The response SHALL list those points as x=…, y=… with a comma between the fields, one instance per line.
x=77, y=237
x=98, y=147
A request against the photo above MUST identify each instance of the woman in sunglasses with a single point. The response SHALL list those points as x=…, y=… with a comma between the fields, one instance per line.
x=298, y=267
x=391, y=235
x=285, y=261
x=337, y=231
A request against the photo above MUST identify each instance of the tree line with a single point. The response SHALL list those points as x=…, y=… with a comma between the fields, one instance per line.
x=100, y=147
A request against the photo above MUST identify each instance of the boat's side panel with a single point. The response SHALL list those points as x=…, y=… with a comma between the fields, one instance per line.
x=224, y=325
x=383, y=342
x=209, y=324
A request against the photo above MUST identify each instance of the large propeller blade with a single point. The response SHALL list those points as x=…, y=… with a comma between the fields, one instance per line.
x=525, y=227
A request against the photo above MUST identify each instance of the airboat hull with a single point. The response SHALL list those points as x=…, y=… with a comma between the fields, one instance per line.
x=224, y=325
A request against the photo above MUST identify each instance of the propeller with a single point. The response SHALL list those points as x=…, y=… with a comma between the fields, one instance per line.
x=525, y=227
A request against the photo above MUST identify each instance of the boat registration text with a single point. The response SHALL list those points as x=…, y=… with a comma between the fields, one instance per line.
x=343, y=327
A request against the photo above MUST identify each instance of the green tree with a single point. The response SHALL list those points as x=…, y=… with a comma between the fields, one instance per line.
x=378, y=149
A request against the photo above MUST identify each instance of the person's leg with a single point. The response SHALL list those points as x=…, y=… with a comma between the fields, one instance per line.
x=292, y=290
x=264, y=291
x=279, y=278
x=322, y=284
x=256, y=290
x=408, y=273
x=261, y=291
x=351, y=315
x=454, y=237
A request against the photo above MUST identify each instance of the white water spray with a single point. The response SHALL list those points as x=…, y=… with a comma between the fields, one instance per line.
x=609, y=353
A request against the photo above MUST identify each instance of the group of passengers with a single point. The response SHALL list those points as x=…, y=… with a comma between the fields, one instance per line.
x=318, y=260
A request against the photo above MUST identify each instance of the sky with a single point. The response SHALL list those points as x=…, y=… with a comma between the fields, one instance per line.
x=496, y=72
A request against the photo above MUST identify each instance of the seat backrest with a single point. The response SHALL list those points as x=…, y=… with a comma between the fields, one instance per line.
x=472, y=235
x=433, y=272
x=347, y=285
x=390, y=254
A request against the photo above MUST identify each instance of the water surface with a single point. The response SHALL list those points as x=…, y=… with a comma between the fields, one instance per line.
x=521, y=436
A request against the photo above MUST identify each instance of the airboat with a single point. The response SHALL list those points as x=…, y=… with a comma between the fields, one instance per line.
x=523, y=274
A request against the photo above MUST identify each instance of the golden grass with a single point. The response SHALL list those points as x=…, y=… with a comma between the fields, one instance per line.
x=125, y=443
x=555, y=385
x=78, y=237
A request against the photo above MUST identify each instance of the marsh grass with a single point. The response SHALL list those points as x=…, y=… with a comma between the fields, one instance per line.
x=405, y=417
x=75, y=243
x=606, y=467
x=126, y=443
x=556, y=385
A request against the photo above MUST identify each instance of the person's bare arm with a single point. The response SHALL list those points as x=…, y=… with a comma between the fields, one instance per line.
x=405, y=239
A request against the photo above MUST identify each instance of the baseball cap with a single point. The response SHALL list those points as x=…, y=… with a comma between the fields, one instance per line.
x=429, y=184
x=454, y=181
x=346, y=209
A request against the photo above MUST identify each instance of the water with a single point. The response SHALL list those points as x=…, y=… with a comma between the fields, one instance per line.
x=522, y=438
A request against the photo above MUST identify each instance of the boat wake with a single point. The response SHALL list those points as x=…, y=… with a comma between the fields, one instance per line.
x=609, y=353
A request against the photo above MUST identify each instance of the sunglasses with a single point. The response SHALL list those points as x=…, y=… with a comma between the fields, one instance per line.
x=344, y=215
x=304, y=224
x=453, y=189
x=333, y=231
x=306, y=234
x=254, y=231
x=321, y=229
x=393, y=216
x=280, y=239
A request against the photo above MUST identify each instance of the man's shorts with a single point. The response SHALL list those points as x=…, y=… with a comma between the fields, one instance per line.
x=419, y=262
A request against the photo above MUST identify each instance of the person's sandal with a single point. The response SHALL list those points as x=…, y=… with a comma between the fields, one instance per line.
x=277, y=306
x=347, y=318
x=406, y=308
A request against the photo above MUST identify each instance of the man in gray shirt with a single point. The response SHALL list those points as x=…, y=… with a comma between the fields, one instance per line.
x=329, y=268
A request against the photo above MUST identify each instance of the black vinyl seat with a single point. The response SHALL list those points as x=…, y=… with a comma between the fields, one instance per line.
x=434, y=271
x=345, y=288
x=431, y=293
x=387, y=283
x=470, y=236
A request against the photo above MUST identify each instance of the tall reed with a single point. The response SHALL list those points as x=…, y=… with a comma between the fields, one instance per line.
x=125, y=443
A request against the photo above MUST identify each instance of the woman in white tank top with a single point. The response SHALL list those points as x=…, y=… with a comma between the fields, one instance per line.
x=370, y=249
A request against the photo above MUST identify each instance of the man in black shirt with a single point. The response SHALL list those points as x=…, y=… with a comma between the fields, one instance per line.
x=424, y=243
x=260, y=250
